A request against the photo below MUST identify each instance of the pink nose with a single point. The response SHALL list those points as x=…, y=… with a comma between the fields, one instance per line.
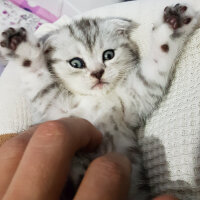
x=98, y=74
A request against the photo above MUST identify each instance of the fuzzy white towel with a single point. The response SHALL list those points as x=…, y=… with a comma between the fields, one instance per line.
x=171, y=137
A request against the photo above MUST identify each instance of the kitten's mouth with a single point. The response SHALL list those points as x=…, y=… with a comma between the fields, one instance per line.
x=99, y=85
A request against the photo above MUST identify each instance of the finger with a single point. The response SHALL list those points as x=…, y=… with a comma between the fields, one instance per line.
x=108, y=178
x=10, y=155
x=43, y=169
x=165, y=197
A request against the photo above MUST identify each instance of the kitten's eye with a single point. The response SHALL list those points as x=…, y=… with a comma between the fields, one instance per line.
x=108, y=54
x=77, y=63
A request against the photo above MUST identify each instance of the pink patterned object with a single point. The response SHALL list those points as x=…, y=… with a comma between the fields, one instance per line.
x=12, y=15
x=37, y=10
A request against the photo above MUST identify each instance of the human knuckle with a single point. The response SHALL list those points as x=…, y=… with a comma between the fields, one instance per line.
x=85, y=121
x=49, y=128
x=109, y=168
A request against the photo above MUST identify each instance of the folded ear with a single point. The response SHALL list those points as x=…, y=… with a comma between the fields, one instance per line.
x=121, y=26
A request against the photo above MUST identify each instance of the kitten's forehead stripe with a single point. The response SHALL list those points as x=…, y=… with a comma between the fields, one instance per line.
x=86, y=31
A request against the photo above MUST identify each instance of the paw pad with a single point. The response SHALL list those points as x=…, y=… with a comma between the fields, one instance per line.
x=165, y=48
x=175, y=16
x=12, y=38
x=27, y=63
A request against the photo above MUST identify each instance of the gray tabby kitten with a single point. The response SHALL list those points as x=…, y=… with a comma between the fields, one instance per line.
x=92, y=69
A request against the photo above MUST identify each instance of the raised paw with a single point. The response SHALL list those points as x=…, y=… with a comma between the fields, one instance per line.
x=12, y=38
x=176, y=16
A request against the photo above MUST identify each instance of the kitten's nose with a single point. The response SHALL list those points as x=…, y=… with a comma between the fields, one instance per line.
x=98, y=74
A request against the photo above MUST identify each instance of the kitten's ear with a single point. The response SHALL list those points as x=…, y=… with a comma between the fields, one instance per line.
x=122, y=26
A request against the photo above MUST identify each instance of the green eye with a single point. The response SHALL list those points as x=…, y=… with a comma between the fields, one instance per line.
x=77, y=63
x=108, y=54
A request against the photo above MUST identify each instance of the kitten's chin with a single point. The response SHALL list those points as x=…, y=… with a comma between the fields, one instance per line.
x=99, y=86
x=97, y=90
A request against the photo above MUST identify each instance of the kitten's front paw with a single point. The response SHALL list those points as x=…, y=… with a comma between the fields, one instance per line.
x=12, y=38
x=176, y=16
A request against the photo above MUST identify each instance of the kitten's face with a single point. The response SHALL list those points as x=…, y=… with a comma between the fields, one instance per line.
x=92, y=56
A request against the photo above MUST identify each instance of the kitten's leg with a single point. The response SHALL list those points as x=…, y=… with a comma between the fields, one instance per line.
x=152, y=77
x=30, y=60
x=168, y=38
x=178, y=22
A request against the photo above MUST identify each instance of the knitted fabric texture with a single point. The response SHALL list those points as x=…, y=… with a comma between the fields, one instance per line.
x=171, y=137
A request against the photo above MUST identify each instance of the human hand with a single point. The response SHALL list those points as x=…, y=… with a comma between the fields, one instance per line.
x=35, y=164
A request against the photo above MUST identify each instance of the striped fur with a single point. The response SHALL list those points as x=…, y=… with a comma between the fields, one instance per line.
x=118, y=103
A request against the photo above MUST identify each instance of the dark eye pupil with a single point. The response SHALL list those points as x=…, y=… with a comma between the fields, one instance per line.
x=77, y=63
x=108, y=55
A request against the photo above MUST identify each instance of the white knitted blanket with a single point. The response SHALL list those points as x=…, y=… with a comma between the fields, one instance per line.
x=171, y=138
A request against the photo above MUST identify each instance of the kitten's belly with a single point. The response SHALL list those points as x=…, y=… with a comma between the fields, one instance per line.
x=97, y=110
x=102, y=111
x=108, y=116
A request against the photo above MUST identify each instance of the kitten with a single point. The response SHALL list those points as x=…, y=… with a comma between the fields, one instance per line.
x=92, y=69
